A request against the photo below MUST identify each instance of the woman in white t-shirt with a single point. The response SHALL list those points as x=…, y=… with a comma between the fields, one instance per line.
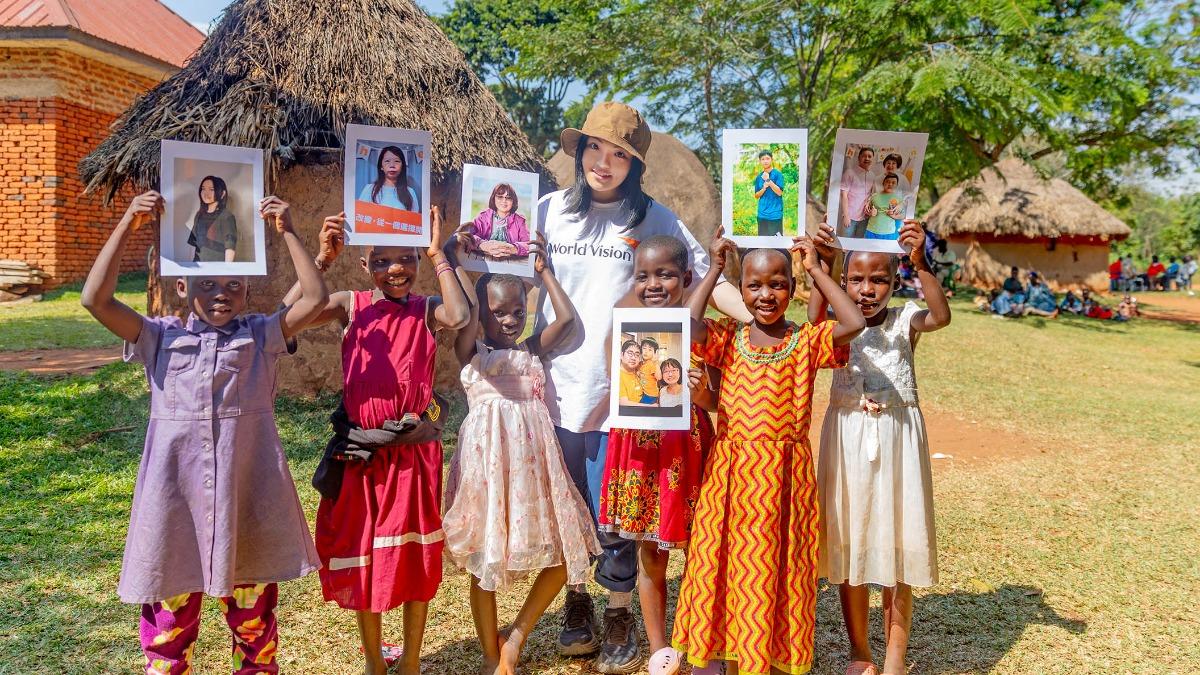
x=591, y=230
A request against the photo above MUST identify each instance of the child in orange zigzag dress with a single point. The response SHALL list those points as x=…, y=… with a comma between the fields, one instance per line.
x=749, y=591
x=875, y=482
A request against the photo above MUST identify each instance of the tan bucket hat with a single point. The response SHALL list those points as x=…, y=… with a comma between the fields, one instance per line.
x=614, y=122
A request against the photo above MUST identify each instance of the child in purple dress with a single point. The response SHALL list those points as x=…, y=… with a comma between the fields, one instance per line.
x=215, y=510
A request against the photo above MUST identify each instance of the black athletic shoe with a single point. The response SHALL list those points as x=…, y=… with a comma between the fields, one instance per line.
x=578, y=636
x=619, y=650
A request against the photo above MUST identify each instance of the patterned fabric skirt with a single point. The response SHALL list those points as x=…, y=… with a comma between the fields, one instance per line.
x=652, y=482
x=750, y=586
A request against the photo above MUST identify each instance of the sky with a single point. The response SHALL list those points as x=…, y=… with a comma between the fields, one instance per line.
x=203, y=12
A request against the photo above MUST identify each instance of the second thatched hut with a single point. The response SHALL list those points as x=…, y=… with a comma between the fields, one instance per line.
x=1010, y=215
x=287, y=76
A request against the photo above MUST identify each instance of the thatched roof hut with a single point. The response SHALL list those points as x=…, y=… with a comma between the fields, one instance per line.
x=1010, y=215
x=287, y=76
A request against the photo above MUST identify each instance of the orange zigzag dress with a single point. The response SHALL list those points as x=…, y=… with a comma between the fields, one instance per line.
x=750, y=586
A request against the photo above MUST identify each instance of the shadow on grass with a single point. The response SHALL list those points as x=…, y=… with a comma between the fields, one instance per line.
x=953, y=632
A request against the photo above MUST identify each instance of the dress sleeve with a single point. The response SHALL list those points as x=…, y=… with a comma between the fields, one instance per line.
x=720, y=335
x=820, y=342
x=145, y=350
x=229, y=232
x=522, y=234
x=268, y=333
x=697, y=256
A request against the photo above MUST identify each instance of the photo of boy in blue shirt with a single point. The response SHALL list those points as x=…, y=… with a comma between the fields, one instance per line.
x=768, y=190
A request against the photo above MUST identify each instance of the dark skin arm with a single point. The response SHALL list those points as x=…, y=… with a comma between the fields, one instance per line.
x=98, y=291
x=564, y=312
x=451, y=310
x=850, y=319
x=337, y=306
x=698, y=300
x=818, y=309
x=937, y=314
x=313, y=294
x=464, y=341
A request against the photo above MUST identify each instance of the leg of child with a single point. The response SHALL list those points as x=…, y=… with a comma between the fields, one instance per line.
x=897, y=620
x=652, y=592
x=370, y=629
x=250, y=615
x=545, y=588
x=855, y=608
x=415, y=614
x=168, y=631
x=483, y=610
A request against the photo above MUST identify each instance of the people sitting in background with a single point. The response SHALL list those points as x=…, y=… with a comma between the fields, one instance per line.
x=1127, y=309
x=1153, y=272
x=1171, y=277
x=1071, y=303
x=1004, y=303
x=1039, y=299
x=1093, y=309
x=1129, y=274
x=1012, y=286
x=910, y=285
x=1114, y=275
x=1186, y=270
x=945, y=266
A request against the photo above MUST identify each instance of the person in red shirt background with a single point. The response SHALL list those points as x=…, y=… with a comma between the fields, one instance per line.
x=1156, y=268
x=1114, y=275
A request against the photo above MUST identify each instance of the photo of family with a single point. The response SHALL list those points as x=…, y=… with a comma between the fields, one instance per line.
x=501, y=205
x=873, y=185
x=763, y=185
x=211, y=223
x=651, y=353
x=386, y=186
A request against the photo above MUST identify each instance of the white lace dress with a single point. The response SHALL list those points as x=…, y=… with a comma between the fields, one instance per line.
x=511, y=507
x=873, y=474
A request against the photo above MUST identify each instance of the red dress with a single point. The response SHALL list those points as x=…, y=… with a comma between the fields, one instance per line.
x=380, y=541
x=652, y=482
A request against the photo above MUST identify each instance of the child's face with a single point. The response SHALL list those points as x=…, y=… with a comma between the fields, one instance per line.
x=647, y=352
x=392, y=268
x=504, y=319
x=391, y=164
x=766, y=286
x=869, y=282
x=657, y=279
x=889, y=184
x=631, y=358
x=504, y=203
x=671, y=375
x=216, y=300
x=765, y=161
x=605, y=167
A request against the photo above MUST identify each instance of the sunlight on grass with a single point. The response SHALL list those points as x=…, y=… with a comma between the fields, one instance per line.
x=60, y=322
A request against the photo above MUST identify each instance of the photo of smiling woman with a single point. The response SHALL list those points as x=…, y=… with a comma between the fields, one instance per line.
x=499, y=231
x=214, y=232
x=670, y=390
x=390, y=187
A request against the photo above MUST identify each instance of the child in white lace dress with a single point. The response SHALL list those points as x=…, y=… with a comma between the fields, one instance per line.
x=511, y=506
x=873, y=475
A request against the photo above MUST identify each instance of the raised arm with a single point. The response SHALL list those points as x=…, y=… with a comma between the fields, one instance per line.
x=937, y=314
x=98, y=290
x=564, y=311
x=464, y=340
x=452, y=310
x=698, y=300
x=850, y=318
x=818, y=308
x=314, y=297
x=337, y=306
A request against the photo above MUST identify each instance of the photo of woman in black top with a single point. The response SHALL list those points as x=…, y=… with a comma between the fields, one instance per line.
x=214, y=229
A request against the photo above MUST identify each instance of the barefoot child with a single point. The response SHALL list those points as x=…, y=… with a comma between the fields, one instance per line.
x=749, y=591
x=511, y=506
x=215, y=510
x=874, y=477
x=652, y=478
x=380, y=539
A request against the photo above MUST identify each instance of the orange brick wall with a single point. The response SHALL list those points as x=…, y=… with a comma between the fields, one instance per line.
x=45, y=219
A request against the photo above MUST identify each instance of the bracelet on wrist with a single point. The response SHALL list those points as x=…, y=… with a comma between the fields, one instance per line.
x=321, y=264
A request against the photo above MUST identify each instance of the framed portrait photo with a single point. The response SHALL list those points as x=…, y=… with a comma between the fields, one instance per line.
x=763, y=183
x=501, y=205
x=211, y=222
x=873, y=181
x=386, y=186
x=651, y=351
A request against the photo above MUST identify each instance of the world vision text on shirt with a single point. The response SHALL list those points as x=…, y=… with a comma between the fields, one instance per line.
x=590, y=250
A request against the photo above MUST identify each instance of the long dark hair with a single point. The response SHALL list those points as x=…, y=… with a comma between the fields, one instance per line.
x=634, y=202
x=219, y=192
x=401, y=180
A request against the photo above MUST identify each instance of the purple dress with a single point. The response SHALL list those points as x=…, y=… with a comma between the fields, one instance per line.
x=215, y=505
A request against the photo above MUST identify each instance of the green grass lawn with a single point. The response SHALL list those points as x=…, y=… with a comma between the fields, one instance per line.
x=1077, y=554
x=58, y=321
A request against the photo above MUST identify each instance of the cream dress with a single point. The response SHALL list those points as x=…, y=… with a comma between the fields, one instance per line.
x=511, y=507
x=873, y=474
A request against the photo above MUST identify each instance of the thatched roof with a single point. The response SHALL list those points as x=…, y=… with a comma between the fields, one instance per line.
x=288, y=75
x=1013, y=200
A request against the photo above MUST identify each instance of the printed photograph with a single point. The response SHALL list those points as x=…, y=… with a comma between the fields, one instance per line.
x=211, y=224
x=763, y=185
x=873, y=182
x=501, y=206
x=651, y=353
x=386, y=186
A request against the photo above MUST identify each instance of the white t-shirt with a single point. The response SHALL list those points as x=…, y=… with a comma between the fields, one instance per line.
x=593, y=261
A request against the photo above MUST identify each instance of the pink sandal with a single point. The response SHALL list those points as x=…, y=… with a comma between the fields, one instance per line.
x=714, y=667
x=665, y=661
x=861, y=668
x=391, y=653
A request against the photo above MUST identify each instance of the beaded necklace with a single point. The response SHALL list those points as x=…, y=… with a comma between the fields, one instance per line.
x=741, y=343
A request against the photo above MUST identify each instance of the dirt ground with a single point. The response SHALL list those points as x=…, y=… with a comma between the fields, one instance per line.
x=1170, y=306
x=59, y=361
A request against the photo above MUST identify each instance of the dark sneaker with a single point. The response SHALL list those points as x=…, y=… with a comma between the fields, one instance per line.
x=619, y=650
x=578, y=636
